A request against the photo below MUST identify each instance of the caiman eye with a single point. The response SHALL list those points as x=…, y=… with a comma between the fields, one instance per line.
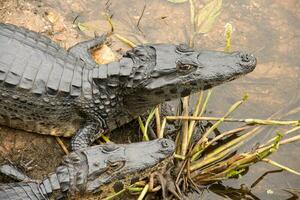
x=108, y=148
x=183, y=48
x=184, y=68
x=116, y=165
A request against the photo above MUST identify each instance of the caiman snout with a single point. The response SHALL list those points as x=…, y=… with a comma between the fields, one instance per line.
x=248, y=60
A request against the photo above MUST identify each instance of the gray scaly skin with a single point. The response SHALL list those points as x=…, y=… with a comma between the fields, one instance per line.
x=48, y=90
x=101, y=169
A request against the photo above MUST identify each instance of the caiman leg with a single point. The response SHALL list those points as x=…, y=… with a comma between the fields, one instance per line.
x=86, y=135
x=82, y=49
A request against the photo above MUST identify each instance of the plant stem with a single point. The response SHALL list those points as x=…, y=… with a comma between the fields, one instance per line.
x=147, y=124
x=195, y=114
x=247, y=121
x=280, y=166
x=185, y=127
x=144, y=192
x=157, y=118
x=161, y=133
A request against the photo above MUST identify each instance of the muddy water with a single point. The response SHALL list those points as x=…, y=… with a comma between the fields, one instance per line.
x=268, y=29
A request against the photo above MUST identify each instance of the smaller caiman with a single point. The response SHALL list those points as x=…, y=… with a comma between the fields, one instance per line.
x=48, y=90
x=100, y=169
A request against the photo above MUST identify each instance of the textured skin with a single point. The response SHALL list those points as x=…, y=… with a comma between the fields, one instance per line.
x=101, y=169
x=44, y=89
x=49, y=90
x=20, y=191
x=40, y=83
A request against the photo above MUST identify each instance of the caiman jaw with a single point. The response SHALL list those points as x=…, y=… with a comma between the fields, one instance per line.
x=120, y=163
x=179, y=71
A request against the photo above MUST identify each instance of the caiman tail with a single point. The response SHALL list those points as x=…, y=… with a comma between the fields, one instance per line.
x=22, y=191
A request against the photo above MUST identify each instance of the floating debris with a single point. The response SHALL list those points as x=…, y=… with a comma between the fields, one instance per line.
x=82, y=27
x=177, y=1
x=206, y=17
x=52, y=16
x=104, y=55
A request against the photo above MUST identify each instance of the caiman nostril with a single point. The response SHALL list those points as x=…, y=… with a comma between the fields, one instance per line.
x=167, y=144
x=247, y=60
x=246, y=57
x=164, y=144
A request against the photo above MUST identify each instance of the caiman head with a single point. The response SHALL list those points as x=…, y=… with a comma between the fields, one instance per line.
x=108, y=168
x=165, y=71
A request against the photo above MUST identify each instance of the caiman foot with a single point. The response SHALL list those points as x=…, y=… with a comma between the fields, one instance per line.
x=82, y=49
x=85, y=136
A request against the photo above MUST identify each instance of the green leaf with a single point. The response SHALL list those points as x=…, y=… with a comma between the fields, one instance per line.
x=207, y=15
x=83, y=27
x=135, y=189
x=235, y=172
x=228, y=31
x=177, y=1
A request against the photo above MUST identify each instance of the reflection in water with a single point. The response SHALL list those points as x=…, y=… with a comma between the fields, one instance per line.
x=262, y=176
x=243, y=192
x=232, y=193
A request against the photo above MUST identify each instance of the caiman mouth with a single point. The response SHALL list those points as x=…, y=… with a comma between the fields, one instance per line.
x=180, y=74
x=161, y=158
x=119, y=184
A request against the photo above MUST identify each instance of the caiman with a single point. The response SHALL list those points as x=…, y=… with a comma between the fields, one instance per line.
x=48, y=90
x=100, y=169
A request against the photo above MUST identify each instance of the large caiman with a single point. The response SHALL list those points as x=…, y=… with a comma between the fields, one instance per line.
x=48, y=90
x=93, y=172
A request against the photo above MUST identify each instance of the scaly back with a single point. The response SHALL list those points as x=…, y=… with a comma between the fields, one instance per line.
x=32, y=62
